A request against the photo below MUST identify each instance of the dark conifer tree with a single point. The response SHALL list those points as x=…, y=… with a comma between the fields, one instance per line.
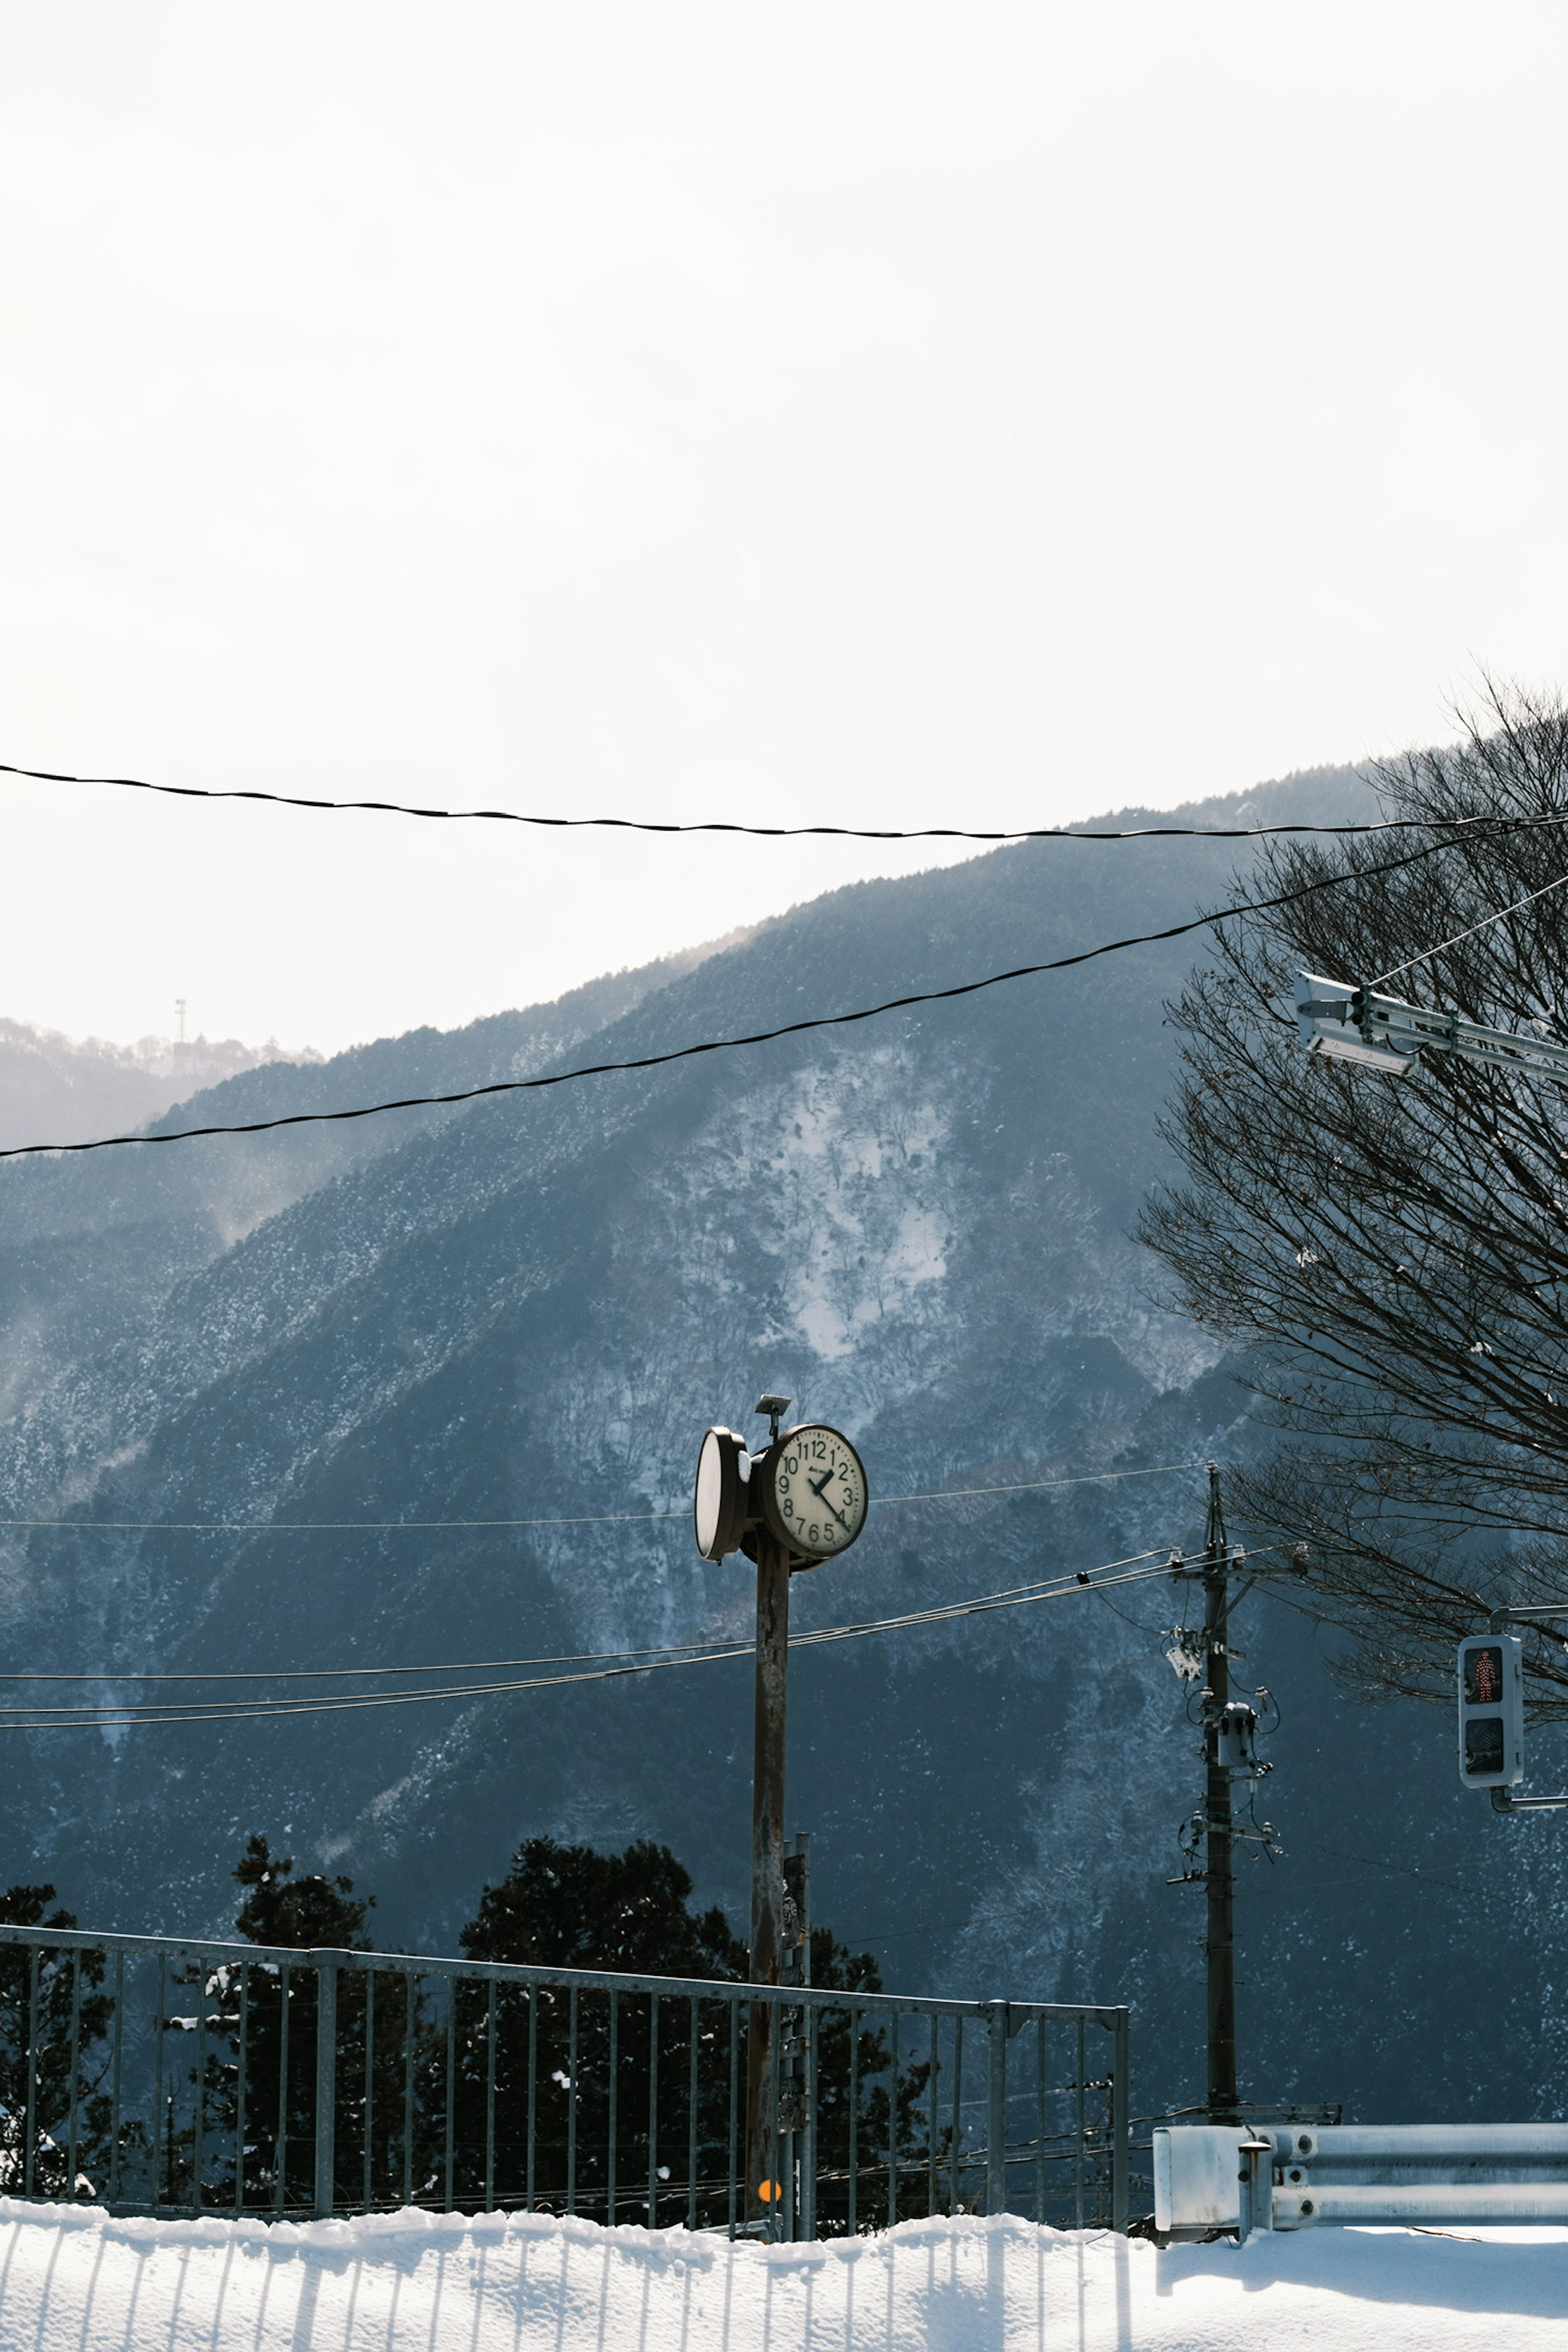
x=282, y=1909
x=570, y=1907
x=69, y=2105
x=275, y=2008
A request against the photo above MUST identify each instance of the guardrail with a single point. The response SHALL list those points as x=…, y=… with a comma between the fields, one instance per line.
x=156, y=2075
x=1210, y=2179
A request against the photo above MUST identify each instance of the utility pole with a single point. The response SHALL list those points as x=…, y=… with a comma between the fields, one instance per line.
x=1219, y=1839
x=1230, y=1754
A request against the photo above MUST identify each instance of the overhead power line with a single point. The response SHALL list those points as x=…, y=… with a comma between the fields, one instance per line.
x=607, y=1519
x=489, y=1665
x=47, y=1719
x=731, y=825
x=755, y=1037
x=1456, y=825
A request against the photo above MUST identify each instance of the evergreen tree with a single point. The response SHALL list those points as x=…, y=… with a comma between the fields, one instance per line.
x=834, y=1967
x=570, y=1907
x=572, y=2072
x=281, y=1909
x=54, y=2018
x=274, y=2009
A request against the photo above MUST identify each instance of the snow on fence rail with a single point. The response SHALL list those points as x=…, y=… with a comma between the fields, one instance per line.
x=159, y=2074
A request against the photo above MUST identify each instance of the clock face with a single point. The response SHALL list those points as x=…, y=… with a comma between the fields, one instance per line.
x=814, y=1491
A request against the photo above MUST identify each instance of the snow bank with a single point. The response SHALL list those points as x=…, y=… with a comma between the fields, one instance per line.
x=73, y=2281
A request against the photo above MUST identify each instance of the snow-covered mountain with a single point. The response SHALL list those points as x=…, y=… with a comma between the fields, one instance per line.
x=528, y=1309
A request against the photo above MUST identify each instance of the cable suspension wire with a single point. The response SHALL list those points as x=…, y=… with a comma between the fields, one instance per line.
x=498, y=1666
x=1485, y=924
x=108, y=1716
x=670, y=1653
x=763, y=831
x=759, y=1036
x=607, y=1519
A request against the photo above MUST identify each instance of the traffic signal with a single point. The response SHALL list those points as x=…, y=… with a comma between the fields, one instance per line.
x=1491, y=1711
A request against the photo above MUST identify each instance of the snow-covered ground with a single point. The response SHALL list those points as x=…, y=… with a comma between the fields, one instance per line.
x=72, y=2281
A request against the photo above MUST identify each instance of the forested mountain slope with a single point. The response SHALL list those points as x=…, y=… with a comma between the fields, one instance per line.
x=529, y=1309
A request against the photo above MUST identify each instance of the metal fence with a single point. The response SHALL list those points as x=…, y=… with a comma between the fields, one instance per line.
x=149, y=2074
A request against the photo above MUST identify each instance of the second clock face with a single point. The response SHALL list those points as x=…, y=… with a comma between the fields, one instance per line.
x=815, y=1495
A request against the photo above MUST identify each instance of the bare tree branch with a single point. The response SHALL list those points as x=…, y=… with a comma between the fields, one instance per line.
x=1394, y=1251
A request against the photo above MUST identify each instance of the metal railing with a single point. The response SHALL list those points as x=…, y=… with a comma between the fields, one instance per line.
x=156, y=2075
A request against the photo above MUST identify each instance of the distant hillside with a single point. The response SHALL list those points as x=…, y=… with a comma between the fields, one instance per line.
x=59, y=1089
x=56, y=1089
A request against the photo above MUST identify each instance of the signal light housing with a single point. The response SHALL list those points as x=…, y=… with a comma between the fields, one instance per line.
x=1491, y=1710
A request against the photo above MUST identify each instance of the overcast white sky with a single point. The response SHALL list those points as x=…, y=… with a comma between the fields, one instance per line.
x=877, y=414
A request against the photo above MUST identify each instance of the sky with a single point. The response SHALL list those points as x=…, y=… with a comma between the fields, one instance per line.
x=913, y=414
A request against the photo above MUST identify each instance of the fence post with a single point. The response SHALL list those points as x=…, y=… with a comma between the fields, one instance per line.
x=996, y=2109
x=326, y=1966
x=1120, y=2123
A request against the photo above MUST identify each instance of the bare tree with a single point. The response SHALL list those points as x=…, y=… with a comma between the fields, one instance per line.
x=1395, y=1249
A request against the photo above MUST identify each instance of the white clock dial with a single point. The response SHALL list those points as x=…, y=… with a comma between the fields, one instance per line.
x=814, y=1491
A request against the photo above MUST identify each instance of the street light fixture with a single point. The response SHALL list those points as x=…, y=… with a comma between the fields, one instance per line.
x=1350, y=1023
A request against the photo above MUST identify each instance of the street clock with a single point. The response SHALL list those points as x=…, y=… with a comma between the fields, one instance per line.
x=807, y=1489
x=800, y=1499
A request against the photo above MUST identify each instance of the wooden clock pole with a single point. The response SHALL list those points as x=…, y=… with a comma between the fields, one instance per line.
x=767, y=1865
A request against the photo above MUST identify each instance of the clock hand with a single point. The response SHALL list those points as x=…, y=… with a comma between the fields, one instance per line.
x=816, y=1490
